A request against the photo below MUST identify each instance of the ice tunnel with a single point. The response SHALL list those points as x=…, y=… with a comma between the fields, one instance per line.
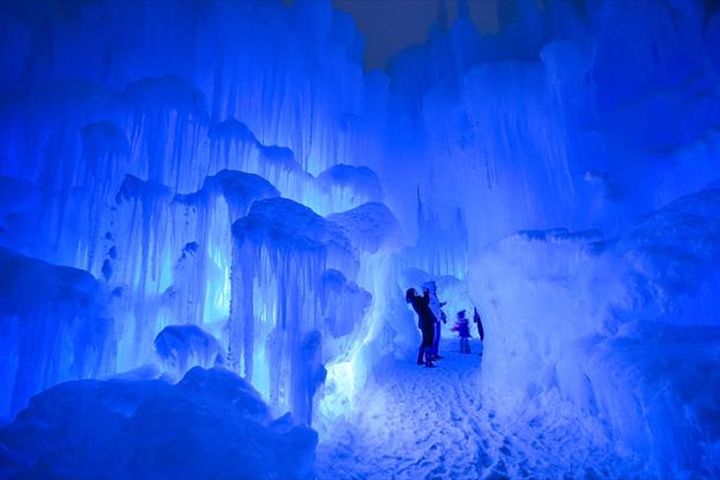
x=212, y=213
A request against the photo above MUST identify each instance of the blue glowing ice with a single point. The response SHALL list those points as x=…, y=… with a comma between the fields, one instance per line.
x=222, y=184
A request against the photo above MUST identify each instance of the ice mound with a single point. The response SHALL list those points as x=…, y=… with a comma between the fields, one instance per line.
x=675, y=252
x=348, y=186
x=289, y=226
x=231, y=129
x=137, y=189
x=183, y=346
x=370, y=226
x=212, y=424
x=239, y=189
x=53, y=327
x=618, y=332
x=278, y=156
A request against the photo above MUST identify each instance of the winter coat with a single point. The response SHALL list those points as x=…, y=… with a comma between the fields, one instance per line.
x=462, y=327
x=421, y=305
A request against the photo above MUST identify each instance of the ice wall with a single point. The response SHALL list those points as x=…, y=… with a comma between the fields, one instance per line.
x=623, y=330
x=54, y=326
x=281, y=251
x=571, y=115
x=229, y=168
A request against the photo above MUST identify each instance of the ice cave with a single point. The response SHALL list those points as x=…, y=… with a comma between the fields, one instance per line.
x=235, y=236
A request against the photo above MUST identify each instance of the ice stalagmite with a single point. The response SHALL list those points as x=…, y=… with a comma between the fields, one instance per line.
x=281, y=250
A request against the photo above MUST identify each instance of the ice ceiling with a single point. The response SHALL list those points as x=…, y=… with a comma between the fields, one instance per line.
x=222, y=183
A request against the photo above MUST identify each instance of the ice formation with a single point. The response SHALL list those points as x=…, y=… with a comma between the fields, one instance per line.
x=208, y=183
x=114, y=428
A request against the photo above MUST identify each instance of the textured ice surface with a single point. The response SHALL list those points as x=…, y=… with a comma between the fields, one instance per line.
x=183, y=346
x=615, y=328
x=557, y=173
x=210, y=424
x=281, y=250
x=54, y=326
x=370, y=226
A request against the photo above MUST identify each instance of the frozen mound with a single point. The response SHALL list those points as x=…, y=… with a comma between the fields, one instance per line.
x=622, y=334
x=288, y=226
x=181, y=347
x=137, y=189
x=233, y=145
x=546, y=298
x=346, y=186
x=370, y=226
x=361, y=180
x=675, y=252
x=665, y=352
x=239, y=189
x=231, y=129
x=212, y=424
x=281, y=157
x=54, y=327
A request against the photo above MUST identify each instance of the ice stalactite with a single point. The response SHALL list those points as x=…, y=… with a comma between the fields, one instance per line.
x=343, y=305
x=167, y=121
x=442, y=243
x=170, y=254
x=184, y=346
x=234, y=146
x=105, y=151
x=280, y=253
x=204, y=219
x=342, y=187
x=142, y=263
x=54, y=326
x=377, y=328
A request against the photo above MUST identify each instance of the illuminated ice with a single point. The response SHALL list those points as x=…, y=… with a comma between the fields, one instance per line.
x=205, y=183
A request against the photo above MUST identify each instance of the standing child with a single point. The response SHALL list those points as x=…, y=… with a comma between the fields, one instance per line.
x=463, y=329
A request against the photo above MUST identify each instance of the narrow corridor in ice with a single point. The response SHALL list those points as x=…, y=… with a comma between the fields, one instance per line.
x=413, y=422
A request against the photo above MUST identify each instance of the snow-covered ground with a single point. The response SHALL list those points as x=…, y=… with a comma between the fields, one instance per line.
x=413, y=422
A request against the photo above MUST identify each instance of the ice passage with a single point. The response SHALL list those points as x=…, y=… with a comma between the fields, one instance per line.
x=211, y=210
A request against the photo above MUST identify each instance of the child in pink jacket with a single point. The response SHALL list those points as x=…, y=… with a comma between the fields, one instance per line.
x=463, y=329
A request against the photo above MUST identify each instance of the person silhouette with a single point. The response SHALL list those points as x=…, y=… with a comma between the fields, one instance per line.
x=436, y=307
x=478, y=321
x=463, y=330
x=426, y=323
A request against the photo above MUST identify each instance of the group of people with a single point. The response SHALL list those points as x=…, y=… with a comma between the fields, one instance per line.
x=429, y=311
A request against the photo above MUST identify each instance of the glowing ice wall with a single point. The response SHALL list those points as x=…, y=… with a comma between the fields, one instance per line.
x=571, y=115
x=133, y=136
x=54, y=326
x=280, y=255
x=229, y=165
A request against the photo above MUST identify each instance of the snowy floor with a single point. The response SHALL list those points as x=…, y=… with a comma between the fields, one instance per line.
x=418, y=423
